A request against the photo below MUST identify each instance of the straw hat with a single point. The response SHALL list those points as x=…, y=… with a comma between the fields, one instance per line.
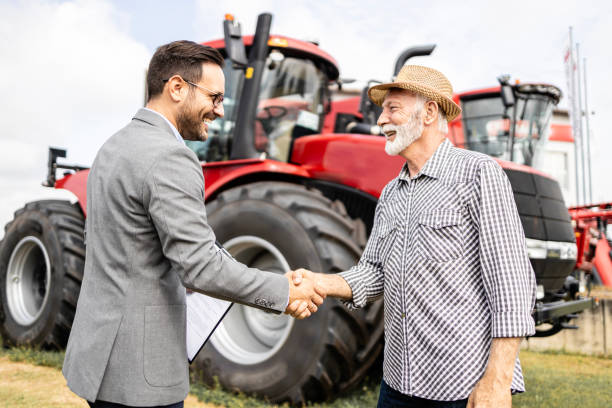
x=425, y=81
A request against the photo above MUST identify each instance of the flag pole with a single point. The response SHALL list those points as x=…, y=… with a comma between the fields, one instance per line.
x=588, y=131
x=580, y=114
x=571, y=94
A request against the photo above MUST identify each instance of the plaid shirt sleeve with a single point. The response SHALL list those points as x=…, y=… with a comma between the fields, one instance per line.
x=366, y=279
x=508, y=277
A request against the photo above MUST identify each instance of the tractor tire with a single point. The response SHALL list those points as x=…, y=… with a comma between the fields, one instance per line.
x=278, y=226
x=41, y=269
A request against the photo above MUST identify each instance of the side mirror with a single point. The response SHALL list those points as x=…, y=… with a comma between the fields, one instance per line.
x=507, y=95
x=367, y=108
x=234, y=46
x=507, y=92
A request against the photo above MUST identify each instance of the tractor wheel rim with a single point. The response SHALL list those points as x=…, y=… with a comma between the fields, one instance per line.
x=247, y=335
x=28, y=280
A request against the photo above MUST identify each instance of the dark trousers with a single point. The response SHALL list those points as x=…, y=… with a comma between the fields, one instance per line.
x=104, y=404
x=390, y=398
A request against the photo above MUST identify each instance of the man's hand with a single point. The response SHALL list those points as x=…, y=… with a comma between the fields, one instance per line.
x=493, y=389
x=490, y=393
x=325, y=284
x=304, y=299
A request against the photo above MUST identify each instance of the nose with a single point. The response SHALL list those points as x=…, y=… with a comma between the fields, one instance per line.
x=218, y=111
x=383, y=119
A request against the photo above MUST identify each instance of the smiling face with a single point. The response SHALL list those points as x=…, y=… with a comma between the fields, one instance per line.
x=197, y=110
x=401, y=120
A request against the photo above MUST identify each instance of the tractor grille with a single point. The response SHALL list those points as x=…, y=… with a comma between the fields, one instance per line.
x=546, y=220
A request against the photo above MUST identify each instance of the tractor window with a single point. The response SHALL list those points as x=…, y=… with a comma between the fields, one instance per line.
x=533, y=116
x=290, y=104
x=487, y=125
x=485, y=129
x=220, y=131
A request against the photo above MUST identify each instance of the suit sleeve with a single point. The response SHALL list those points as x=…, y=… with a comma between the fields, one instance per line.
x=173, y=195
x=508, y=277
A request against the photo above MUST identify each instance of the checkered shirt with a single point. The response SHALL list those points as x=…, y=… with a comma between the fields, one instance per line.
x=448, y=251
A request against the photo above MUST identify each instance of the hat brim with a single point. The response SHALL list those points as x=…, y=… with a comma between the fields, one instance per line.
x=377, y=94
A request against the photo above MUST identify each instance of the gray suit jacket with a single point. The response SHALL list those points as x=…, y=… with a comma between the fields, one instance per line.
x=147, y=239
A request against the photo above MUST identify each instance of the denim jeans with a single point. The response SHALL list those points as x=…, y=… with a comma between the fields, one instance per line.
x=390, y=398
x=104, y=404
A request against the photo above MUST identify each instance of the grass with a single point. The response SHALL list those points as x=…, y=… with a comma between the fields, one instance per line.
x=37, y=357
x=365, y=396
x=554, y=379
x=557, y=380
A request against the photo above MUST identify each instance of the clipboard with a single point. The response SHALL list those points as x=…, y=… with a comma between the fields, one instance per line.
x=204, y=314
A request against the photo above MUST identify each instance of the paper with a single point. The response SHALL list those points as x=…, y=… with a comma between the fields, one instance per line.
x=204, y=313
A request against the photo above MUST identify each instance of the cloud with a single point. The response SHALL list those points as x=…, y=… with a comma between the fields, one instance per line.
x=477, y=41
x=72, y=76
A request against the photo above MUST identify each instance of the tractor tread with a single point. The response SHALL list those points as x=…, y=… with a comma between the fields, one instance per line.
x=66, y=223
x=339, y=240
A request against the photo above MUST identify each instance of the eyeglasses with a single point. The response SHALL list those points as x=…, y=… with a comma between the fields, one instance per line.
x=217, y=97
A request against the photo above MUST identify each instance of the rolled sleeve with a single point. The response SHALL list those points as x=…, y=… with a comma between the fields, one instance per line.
x=508, y=277
x=366, y=279
x=355, y=277
x=512, y=324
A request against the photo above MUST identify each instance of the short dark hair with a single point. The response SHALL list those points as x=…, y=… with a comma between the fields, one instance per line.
x=184, y=58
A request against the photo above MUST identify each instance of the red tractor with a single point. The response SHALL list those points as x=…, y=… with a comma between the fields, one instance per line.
x=288, y=185
x=594, y=242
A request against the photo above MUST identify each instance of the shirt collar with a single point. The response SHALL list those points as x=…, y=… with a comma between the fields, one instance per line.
x=433, y=166
x=174, y=130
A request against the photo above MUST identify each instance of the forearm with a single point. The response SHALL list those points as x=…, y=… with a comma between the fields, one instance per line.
x=228, y=280
x=502, y=358
x=494, y=388
x=335, y=286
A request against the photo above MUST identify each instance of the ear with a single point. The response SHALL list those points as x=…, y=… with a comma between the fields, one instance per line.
x=431, y=112
x=176, y=88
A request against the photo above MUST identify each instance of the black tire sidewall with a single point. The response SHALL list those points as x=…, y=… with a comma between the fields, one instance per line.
x=36, y=224
x=289, y=364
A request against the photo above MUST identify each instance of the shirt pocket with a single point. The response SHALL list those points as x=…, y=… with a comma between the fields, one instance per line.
x=386, y=239
x=439, y=235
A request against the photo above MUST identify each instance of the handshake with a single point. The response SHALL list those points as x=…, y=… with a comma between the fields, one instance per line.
x=308, y=290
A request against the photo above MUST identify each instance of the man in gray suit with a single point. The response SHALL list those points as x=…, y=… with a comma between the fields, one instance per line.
x=148, y=239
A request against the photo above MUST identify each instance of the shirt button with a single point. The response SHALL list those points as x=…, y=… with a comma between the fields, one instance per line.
x=403, y=315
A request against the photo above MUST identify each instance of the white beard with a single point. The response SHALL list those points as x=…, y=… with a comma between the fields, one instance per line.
x=405, y=134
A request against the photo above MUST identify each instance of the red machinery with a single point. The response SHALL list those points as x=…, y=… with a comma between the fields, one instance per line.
x=288, y=185
x=594, y=253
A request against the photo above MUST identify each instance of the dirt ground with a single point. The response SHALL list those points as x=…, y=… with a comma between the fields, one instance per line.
x=25, y=385
x=601, y=292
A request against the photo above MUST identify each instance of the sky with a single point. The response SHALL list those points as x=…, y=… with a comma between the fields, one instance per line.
x=73, y=71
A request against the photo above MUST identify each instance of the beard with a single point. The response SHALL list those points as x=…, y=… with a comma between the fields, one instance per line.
x=190, y=123
x=405, y=134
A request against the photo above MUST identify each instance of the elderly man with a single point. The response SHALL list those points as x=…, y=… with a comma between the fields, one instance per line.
x=448, y=252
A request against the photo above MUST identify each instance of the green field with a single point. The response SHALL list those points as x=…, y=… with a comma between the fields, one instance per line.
x=553, y=380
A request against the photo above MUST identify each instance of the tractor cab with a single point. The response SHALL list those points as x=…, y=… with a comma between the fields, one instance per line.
x=275, y=96
x=509, y=122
